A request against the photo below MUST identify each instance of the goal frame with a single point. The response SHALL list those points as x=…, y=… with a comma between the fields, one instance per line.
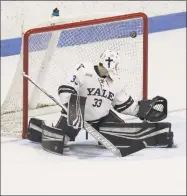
x=74, y=25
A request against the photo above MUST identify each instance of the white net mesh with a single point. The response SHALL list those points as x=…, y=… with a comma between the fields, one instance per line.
x=52, y=56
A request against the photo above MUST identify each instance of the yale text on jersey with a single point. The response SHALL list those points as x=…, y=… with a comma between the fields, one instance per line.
x=101, y=93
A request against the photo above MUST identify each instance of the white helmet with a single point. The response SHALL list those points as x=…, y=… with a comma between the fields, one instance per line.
x=110, y=60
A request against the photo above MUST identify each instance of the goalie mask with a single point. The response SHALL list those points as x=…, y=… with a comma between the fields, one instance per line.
x=110, y=60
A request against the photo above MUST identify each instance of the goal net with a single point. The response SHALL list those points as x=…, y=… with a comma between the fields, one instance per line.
x=50, y=52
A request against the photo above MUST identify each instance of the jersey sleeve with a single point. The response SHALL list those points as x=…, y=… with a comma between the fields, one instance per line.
x=71, y=85
x=125, y=104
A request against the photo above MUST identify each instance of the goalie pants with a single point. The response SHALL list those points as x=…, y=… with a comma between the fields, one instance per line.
x=123, y=134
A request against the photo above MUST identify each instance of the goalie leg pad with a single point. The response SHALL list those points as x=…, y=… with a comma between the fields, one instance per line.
x=112, y=117
x=54, y=140
x=153, y=134
x=69, y=130
x=34, y=131
x=161, y=140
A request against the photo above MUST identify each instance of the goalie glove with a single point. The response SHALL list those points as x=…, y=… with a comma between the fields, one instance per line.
x=153, y=110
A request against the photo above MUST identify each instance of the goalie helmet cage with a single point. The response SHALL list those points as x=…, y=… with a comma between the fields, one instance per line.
x=55, y=46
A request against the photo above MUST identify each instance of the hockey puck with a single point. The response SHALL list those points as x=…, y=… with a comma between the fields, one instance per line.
x=133, y=34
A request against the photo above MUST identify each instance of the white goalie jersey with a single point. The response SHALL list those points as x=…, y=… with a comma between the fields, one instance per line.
x=102, y=94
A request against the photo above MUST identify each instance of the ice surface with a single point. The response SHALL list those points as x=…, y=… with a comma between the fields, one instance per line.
x=89, y=169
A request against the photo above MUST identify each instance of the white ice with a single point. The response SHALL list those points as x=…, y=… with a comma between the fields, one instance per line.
x=88, y=169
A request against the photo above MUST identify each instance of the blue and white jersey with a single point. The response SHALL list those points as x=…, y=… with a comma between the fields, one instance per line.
x=102, y=94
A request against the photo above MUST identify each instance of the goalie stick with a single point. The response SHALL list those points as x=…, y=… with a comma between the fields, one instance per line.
x=137, y=146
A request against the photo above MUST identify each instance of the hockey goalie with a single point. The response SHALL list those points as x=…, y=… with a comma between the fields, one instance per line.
x=92, y=94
